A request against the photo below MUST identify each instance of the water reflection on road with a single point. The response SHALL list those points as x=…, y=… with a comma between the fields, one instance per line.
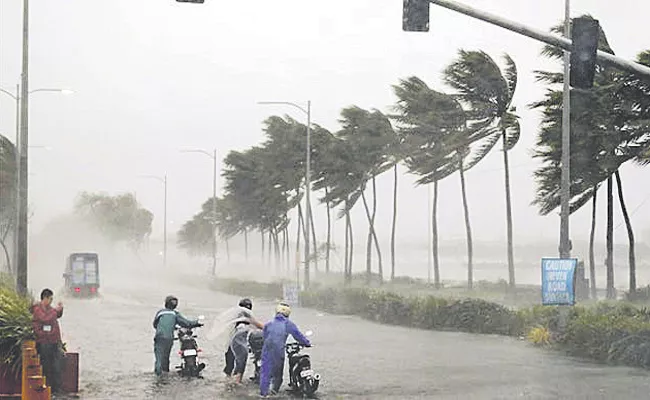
x=356, y=358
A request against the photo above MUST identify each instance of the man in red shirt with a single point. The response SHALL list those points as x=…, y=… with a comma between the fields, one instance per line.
x=48, y=337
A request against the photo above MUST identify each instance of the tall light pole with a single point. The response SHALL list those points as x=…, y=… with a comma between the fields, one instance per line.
x=213, y=220
x=163, y=180
x=565, y=194
x=307, y=178
x=17, y=97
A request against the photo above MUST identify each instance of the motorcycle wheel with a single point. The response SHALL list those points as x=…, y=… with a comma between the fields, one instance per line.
x=309, y=387
x=190, y=366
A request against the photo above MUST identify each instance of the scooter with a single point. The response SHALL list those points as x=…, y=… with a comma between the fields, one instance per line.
x=255, y=344
x=189, y=352
x=302, y=379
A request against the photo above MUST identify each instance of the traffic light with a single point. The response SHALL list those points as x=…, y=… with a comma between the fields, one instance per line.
x=191, y=1
x=415, y=16
x=584, y=45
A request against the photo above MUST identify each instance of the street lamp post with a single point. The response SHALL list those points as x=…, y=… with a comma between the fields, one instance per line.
x=163, y=180
x=307, y=178
x=213, y=156
x=20, y=245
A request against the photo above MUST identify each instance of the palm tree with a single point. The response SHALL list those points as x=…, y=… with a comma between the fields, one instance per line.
x=426, y=120
x=608, y=129
x=488, y=93
x=372, y=134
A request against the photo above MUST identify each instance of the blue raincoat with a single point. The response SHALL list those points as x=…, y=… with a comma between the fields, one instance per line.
x=276, y=333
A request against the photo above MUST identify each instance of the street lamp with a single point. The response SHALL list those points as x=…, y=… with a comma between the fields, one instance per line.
x=307, y=177
x=213, y=156
x=20, y=233
x=163, y=180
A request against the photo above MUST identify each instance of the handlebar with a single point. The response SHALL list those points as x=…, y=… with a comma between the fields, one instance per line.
x=297, y=345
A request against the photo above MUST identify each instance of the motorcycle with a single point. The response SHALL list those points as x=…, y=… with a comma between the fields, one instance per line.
x=255, y=344
x=302, y=378
x=189, y=352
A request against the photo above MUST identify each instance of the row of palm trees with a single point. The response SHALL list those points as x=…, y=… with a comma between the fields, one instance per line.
x=435, y=135
x=432, y=133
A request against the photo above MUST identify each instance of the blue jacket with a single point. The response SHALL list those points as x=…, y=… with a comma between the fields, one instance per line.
x=276, y=333
x=166, y=320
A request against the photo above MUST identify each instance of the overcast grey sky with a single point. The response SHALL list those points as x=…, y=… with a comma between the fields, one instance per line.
x=152, y=77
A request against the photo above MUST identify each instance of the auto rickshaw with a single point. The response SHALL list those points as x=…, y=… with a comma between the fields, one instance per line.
x=82, y=274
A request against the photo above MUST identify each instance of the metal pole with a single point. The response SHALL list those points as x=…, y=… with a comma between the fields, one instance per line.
x=21, y=267
x=307, y=192
x=565, y=195
x=214, y=214
x=16, y=181
x=542, y=36
x=429, y=229
x=165, y=226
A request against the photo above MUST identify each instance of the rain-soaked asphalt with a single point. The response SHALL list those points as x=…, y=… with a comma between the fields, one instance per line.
x=356, y=358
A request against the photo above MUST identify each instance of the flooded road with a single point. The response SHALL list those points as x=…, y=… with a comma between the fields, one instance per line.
x=356, y=358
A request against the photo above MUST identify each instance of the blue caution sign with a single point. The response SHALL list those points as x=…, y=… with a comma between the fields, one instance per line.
x=290, y=292
x=558, y=281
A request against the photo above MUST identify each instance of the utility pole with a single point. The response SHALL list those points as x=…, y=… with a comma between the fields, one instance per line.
x=165, y=225
x=21, y=267
x=307, y=193
x=565, y=187
x=307, y=224
x=214, y=213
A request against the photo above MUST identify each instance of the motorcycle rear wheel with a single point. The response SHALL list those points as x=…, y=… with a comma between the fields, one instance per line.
x=190, y=367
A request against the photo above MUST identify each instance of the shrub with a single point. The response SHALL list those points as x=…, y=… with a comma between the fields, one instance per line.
x=607, y=332
x=539, y=336
x=15, y=327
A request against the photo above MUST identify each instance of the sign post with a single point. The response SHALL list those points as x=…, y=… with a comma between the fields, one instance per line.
x=291, y=293
x=558, y=281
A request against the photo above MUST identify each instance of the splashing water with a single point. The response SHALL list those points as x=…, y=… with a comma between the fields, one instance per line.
x=224, y=321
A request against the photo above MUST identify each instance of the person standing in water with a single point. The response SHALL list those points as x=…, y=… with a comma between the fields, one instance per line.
x=48, y=337
x=276, y=333
x=237, y=352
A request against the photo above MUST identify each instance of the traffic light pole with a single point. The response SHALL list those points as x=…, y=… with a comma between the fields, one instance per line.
x=557, y=41
x=565, y=188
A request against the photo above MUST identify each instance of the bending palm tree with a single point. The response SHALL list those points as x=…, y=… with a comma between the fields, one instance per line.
x=488, y=92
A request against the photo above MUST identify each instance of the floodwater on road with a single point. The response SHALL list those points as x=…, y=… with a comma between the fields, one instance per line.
x=356, y=358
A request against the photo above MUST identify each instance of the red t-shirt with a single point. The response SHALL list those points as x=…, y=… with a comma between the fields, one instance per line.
x=45, y=323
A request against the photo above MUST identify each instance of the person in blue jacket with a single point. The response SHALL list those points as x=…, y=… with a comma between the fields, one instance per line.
x=164, y=323
x=276, y=333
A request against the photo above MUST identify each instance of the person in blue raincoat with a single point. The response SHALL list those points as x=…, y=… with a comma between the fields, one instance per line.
x=276, y=333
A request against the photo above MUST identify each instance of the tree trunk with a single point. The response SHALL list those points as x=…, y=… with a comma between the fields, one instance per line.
x=270, y=253
x=346, y=266
x=278, y=256
x=592, y=238
x=610, y=239
x=368, y=243
x=7, y=256
x=227, y=251
x=246, y=243
x=313, y=237
x=283, y=251
x=434, y=236
x=298, y=245
x=468, y=228
x=329, y=235
x=392, y=233
x=372, y=231
x=351, y=255
x=511, y=257
x=263, y=247
x=630, y=234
